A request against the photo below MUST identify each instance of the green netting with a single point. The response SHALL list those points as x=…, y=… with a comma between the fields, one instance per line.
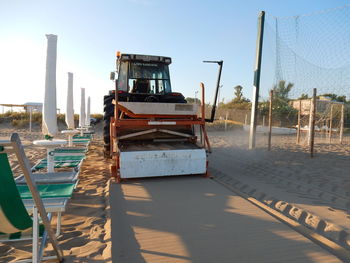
x=300, y=54
x=309, y=51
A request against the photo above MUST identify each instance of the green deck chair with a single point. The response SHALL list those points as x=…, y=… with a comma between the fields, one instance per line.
x=64, y=161
x=81, y=142
x=85, y=136
x=70, y=151
x=14, y=218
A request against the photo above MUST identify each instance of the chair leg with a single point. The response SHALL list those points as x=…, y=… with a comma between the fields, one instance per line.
x=43, y=243
x=58, y=230
x=35, y=235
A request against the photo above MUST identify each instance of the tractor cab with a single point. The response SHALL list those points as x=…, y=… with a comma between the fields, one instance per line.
x=142, y=78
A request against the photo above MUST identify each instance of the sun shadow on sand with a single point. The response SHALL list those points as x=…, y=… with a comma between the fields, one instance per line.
x=193, y=219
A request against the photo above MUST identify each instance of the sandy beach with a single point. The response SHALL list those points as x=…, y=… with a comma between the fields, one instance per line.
x=85, y=235
x=286, y=173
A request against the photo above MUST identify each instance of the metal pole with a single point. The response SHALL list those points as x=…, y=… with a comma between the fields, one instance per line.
x=299, y=123
x=341, y=124
x=30, y=119
x=310, y=123
x=220, y=63
x=312, y=127
x=330, y=124
x=270, y=121
x=257, y=71
x=203, y=110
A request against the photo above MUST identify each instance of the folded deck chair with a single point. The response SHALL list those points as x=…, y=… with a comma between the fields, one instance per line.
x=14, y=218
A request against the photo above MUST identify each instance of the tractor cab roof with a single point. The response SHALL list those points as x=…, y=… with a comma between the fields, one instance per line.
x=145, y=58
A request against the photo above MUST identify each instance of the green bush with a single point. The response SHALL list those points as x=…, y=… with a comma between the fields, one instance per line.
x=20, y=123
x=37, y=117
x=97, y=116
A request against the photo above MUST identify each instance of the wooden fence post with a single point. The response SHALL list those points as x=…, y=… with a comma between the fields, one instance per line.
x=341, y=132
x=312, y=127
x=270, y=121
x=299, y=123
x=330, y=124
x=310, y=123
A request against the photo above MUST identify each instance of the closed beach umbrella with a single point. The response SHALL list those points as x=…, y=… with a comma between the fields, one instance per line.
x=87, y=122
x=49, y=126
x=69, y=108
x=82, y=116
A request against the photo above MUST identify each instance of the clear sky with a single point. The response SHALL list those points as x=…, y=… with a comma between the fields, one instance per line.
x=90, y=32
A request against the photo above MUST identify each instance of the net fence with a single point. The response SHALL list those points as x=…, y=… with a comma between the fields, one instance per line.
x=300, y=54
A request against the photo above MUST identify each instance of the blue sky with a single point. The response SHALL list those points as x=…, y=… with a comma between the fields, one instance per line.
x=90, y=32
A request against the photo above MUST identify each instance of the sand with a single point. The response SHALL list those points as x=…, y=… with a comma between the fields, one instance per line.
x=85, y=224
x=195, y=219
x=319, y=186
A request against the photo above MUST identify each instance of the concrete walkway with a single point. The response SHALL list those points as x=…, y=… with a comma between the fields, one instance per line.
x=193, y=219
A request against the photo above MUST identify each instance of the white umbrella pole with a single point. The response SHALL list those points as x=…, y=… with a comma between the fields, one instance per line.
x=82, y=115
x=69, y=108
x=50, y=105
x=87, y=122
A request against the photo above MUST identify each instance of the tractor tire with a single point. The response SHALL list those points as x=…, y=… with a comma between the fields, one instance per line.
x=108, y=110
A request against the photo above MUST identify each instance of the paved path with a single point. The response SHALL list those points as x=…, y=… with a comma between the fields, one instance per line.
x=193, y=219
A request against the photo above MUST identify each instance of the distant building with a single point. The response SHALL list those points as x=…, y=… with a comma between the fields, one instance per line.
x=35, y=106
x=322, y=104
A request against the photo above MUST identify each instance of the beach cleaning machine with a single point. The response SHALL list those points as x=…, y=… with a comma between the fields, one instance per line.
x=148, y=129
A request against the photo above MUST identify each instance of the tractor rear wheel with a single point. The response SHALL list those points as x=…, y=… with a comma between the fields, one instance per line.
x=108, y=113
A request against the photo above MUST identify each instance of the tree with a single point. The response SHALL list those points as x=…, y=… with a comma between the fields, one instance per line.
x=281, y=98
x=335, y=97
x=303, y=97
x=238, y=93
x=281, y=91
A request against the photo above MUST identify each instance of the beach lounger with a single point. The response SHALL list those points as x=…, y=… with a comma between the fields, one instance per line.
x=70, y=150
x=15, y=221
x=54, y=191
x=65, y=161
x=50, y=178
x=81, y=142
x=84, y=137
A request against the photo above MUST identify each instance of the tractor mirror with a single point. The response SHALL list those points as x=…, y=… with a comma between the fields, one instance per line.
x=112, y=76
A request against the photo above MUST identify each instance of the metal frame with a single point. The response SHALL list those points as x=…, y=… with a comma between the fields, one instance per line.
x=154, y=123
x=15, y=146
